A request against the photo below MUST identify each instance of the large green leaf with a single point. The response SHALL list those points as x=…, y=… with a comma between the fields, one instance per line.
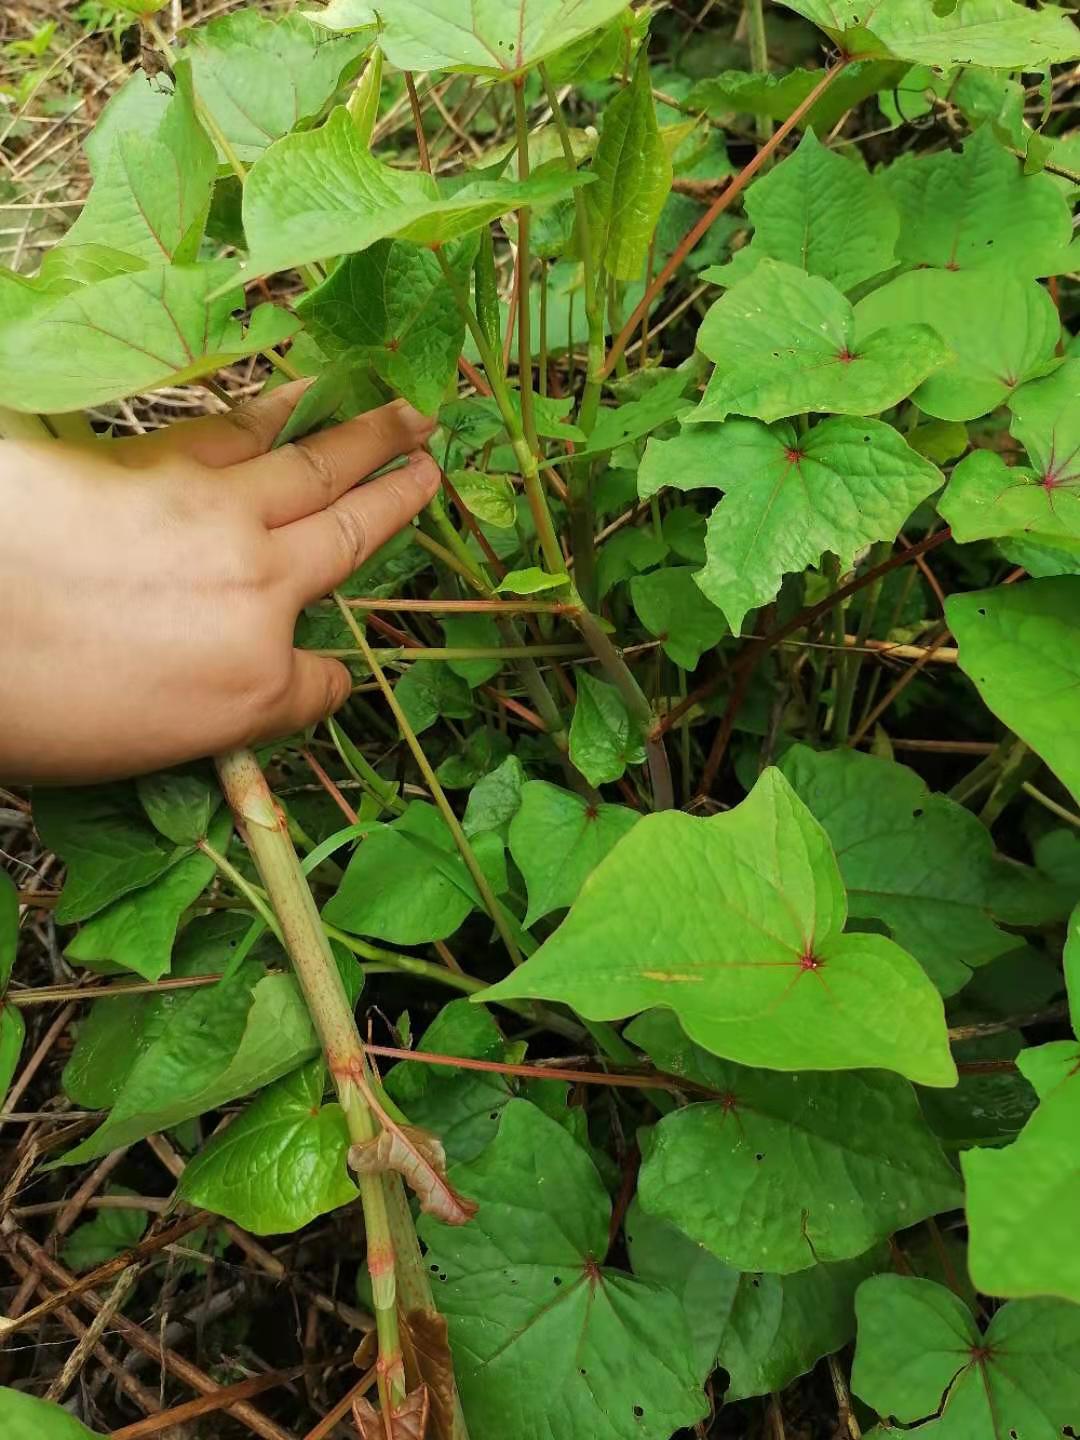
x=988, y=499
x=1022, y=1201
x=919, y=1351
x=673, y=608
x=152, y=183
x=821, y=213
x=138, y=930
x=547, y=1344
x=406, y=882
x=776, y=96
x=917, y=861
x=24, y=1417
x=132, y=332
x=321, y=192
x=261, y=76
x=557, y=840
x=179, y=803
x=1046, y=421
x=788, y=1169
x=977, y=209
x=391, y=307
x=170, y=1058
x=1020, y=644
x=604, y=739
x=281, y=1163
x=499, y=38
x=1000, y=328
x=1001, y=34
x=735, y=923
x=789, y=498
x=103, y=836
x=764, y=1330
x=784, y=343
x=633, y=178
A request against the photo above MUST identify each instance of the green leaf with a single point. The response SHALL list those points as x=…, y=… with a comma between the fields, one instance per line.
x=1020, y=645
x=130, y=333
x=463, y=1107
x=673, y=608
x=789, y=498
x=343, y=15
x=628, y=552
x=178, y=803
x=621, y=424
x=919, y=1351
x=393, y=891
x=391, y=307
x=976, y=209
x=747, y=92
x=484, y=749
x=603, y=737
x=472, y=632
x=1000, y=34
x=103, y=836
x=919, y=862
x=1001, y=330
x=939, y=440
x=281, y=1163
x=426, y=692
x=633, y=178
x=1046, y=421
x=988, y=499
x=137, y=932
x=152, y=183
x=735, y=923
x=531, y=581
x=107, y=1235
x=784, y=342
x=9, y=928
x=262, y=76
x=821, y=213
x=1022, y=1199
x=490, y=498
x=547, y=1344
x=25, y=1418
x=321, y=192
x=764, y=1330
x=498, y=38
x=190, y=1053
x=495, y=800
x=801, y=1168
x=12, y=1033
x=557, y=839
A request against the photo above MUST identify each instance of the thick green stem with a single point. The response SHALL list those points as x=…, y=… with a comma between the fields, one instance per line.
x=524, y=318
x=263, y=825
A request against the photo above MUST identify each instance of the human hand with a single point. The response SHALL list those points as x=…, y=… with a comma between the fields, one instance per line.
x=151, y=585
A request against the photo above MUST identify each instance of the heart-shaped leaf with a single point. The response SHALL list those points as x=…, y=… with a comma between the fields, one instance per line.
x=735, y=923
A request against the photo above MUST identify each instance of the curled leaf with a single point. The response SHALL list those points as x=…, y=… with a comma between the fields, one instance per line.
x=420, y=1158
x=408, y=1422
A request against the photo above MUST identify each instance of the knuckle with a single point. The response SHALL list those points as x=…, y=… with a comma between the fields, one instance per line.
x=319, y=469
x=352, y=532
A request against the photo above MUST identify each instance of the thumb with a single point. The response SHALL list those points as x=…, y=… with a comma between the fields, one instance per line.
x=317, y=688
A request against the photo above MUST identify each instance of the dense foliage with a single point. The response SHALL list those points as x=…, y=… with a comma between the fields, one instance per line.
x=779, y=494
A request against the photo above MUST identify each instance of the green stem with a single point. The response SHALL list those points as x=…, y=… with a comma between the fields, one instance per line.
x=254, y=897
x=467, y=652
x=461, y=840
x=524, y=318
x=759, y=54
x=262, y=823
x=849, y=667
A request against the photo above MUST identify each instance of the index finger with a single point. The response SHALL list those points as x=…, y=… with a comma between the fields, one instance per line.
x=308, y=475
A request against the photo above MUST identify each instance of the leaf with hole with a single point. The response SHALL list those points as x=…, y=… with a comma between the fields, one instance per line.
x=787, y=1170
x=750, y=953
x=785, y=342
x=548, y=1345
